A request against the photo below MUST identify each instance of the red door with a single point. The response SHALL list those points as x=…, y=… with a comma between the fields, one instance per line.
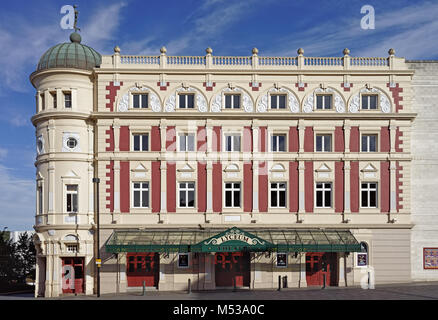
x=319, y=264
x=72, y=275
x=141, y=267
x=232, y=267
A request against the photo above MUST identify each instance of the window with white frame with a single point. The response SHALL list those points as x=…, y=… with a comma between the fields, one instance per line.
x=140, y=194
x=71, y=198
x=323, y=195
x=186, y=101
x=278, y=101
x=140, y=142
x=323, y=101
x=232, y=142
x=323, y=143
x=369, y=101
x=140, y=101
x=183, y=260
x=232, y=195
x=368, y=192
x=278, y=143
x=278, y=195
x=186, y=142
x=186, y=194
x=232, y=101
x=369, y=143
x=72, y=248
x=67, y=100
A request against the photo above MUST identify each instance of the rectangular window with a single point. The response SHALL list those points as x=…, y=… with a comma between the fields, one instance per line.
x=140, y=101
x=369, y=102
x=67, y=99
x=369, y=143
x=72, y=248
x=323, y=102
x=140, y=194
x=324, y=143
x=278, y=195
x=278, y=101
x=282, y=260
x=141, y=142
x=183, y=260
x=55, y=103
x=43, y=102
x=323, y=195
x=369, y=195
x=187, y=195
x=72, y=198
x=278, y=143
x=186, y=101
x=232, y=195
x=232, y=142
x=40, y=200
x=232, y=101
x=186, y=142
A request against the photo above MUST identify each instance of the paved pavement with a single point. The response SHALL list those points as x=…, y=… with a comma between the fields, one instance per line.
x=410, y=291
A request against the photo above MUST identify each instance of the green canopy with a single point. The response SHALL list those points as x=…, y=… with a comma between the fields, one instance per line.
x=233, y=239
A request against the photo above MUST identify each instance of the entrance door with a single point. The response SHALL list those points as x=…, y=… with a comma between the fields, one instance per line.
x=319, y=264
x=141, y=267
x=232, y=267
x=72, y=275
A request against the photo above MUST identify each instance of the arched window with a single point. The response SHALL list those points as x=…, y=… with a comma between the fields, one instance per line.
x=362, y=256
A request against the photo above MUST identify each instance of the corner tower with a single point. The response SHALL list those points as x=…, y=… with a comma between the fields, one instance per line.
x=65, y=94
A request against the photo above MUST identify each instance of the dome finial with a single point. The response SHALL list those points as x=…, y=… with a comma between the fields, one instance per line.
x=75, y=26
x=75, y=36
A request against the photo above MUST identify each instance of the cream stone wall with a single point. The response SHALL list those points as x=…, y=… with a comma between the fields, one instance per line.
x=424, y=169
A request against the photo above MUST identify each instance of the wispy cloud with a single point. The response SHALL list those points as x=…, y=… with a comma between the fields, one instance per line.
x=17, y=200
x=410, y=30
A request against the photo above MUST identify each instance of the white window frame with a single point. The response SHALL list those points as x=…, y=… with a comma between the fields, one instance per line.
x=323, y=142
x=277, y=96
x=323, y=189
x=323, y=102
x=141, y=189
x=368, y=102
x=65, y=94
x=368, y=189
x=140, y=100
x=186, y=190
x=69, y=246
x=185, y=136
x=232, y=101
x=232, y=142
x=232, y=189
x=368, y=142
x=276, y=136
x=141, y=141
x=188, y=260
x=72, y=193
x=186, y=100
x=277, y=190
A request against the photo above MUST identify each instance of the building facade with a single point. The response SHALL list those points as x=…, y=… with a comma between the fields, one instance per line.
x=225, y=171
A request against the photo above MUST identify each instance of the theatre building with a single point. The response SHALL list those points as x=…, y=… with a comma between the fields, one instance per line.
x=222, y=170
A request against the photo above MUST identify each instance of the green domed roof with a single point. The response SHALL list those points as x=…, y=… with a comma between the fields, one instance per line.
x=70, y=55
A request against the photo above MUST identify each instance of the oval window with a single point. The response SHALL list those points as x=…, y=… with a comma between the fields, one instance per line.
x=39, y=146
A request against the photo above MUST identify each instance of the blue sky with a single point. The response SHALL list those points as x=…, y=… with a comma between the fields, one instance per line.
x=185, y=27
